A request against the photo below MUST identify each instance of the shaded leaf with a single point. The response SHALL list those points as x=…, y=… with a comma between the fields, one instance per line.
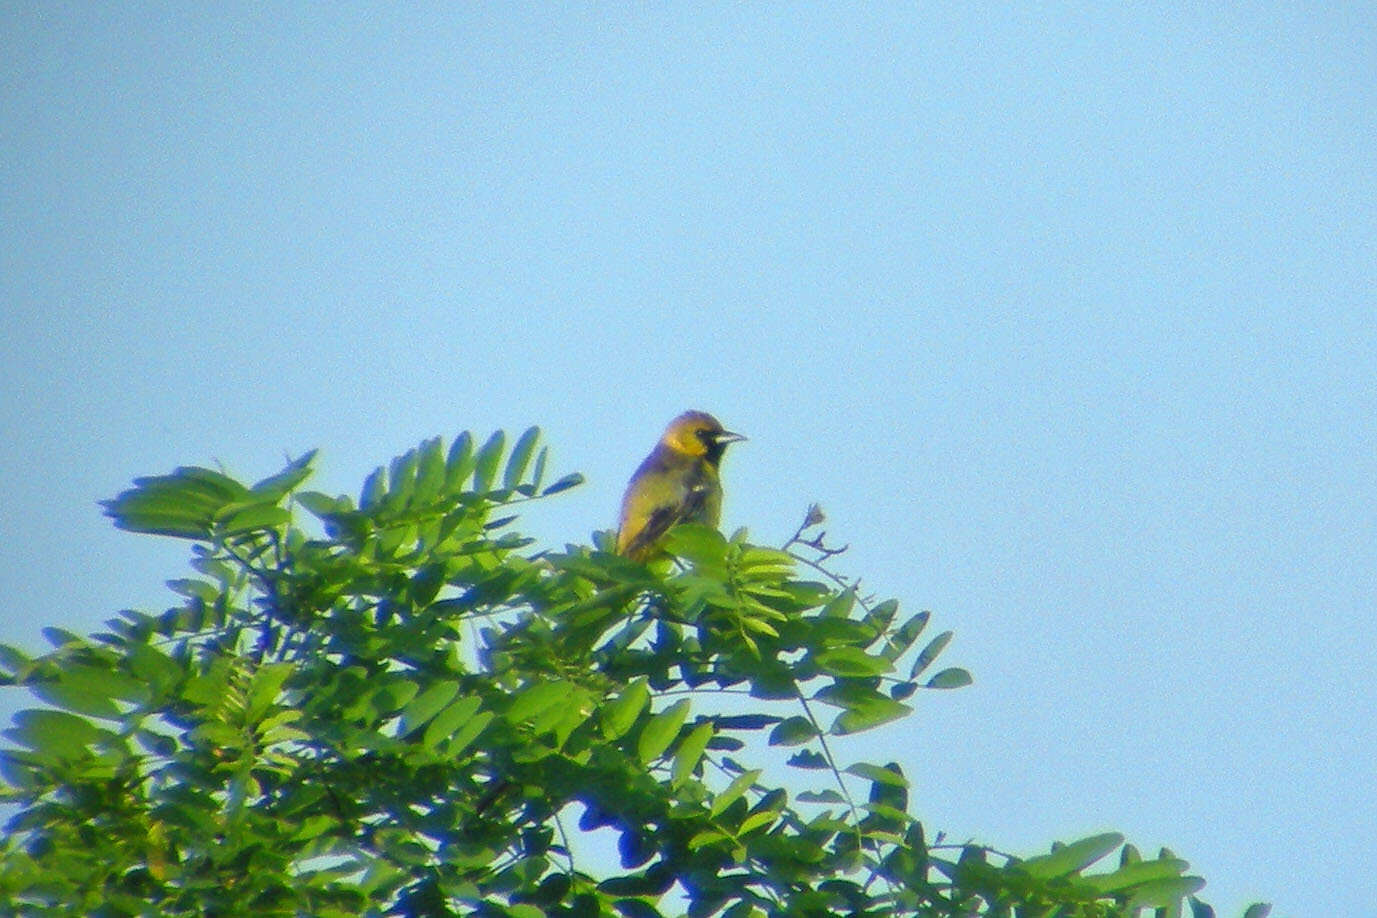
x=520, y=457
x=891, y=776
x=950, y=679
x=1164, y=893
x=572, y=480
x=929, y=653
x=793, y=731
x=275, y=487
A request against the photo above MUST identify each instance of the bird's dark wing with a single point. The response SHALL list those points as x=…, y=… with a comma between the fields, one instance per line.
x=661, y=519
x=695, y=500
x=656, y=524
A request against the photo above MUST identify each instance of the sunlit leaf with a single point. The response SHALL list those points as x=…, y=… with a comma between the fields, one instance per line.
x=459, y=462
x=696, y=543
x=430, y=471
x=660, y=731
x=865, y=717
x=448, y=721
x=274, y=487
x=237, y=518
x=852, y=662
x=690, y=751
x=1072, y=857
x=619, y=714
x=733, y=791
x=52, y=733
x=426, y=705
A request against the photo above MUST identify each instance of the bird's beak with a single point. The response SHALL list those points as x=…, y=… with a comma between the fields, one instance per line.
x=728, y=436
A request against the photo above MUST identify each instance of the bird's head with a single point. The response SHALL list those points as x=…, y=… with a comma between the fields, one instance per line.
x=697, y=433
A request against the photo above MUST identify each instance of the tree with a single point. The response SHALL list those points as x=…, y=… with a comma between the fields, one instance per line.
x=407, y=711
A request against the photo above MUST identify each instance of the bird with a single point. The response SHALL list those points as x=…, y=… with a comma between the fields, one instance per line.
x=677, y=483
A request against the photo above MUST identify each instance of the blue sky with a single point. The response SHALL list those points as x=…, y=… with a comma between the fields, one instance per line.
x=1064, y=313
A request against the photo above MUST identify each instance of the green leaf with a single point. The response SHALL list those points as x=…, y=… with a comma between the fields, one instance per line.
x=237, y=518
x=321, y=506
x=840, y=606
x=1164, y=893
x=460, y=462
x=263, y=690
x=619, y=714
x=275, y=487
x=430, y=471
x=53, y=734
x=1258, y=910
x=697, y=543
x=660, y=731
x=538, y=473
x=929, y=653
x=755, y=821
x=950, y=679
x=572, y=480
x=426, y=705
x=154, y=667
x=690, y=751
x=880, y=711
x=903, y=639
x=793, y=731
x=880, y=616
x=533, y=700
x=402, y=477
x=848, y=661
x=1072, y=857
x=845, y=693
x=733, y=791
x=469, y=731
x=890, y=776
x=446, y=723
x=487, y=460
x=520, y=457
x=374, y=489
x=91, y=690
x=13, y=659
x=1135, y=873
x=182, y=504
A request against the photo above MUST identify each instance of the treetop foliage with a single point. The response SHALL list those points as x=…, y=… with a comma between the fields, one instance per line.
x=395, y=706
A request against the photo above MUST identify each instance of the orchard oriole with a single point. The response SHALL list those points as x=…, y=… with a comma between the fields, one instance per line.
x=677, y=483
